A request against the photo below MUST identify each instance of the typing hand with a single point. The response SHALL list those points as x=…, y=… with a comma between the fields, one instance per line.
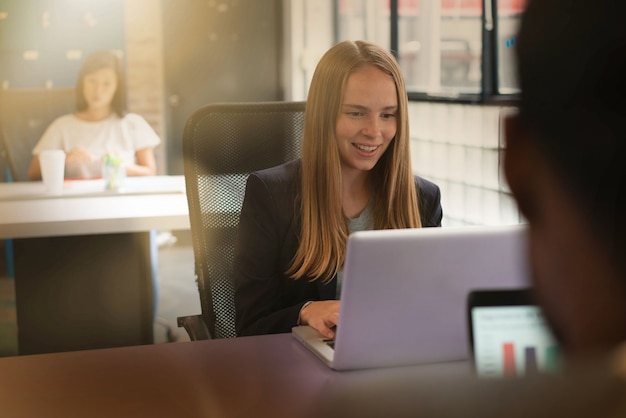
x=322, y=316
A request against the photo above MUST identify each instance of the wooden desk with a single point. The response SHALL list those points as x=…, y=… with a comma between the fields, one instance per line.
x=85, y=261
x=264, y=376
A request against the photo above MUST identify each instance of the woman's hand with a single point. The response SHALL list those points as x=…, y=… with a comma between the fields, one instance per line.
x=78, y=155
x=146, y=163
x=322, y=315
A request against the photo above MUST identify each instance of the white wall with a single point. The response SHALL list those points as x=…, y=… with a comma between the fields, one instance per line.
x=458, y=147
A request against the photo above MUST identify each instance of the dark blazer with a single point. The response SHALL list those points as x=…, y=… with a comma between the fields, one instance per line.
x=266, y=300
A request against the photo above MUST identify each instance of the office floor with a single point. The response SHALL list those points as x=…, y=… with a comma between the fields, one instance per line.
x=178, y=294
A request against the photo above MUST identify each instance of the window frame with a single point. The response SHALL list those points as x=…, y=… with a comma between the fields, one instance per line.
x=489, y=85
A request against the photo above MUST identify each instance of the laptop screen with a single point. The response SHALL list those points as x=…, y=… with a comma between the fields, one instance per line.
x=509, y=335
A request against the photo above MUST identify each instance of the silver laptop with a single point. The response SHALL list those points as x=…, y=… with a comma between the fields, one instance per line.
x=404, y=293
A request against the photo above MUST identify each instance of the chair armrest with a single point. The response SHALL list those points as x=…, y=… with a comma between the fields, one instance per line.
x=195, y=327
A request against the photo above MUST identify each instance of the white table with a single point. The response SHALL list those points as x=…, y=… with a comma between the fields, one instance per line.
x=144, y=203
x=85, y=261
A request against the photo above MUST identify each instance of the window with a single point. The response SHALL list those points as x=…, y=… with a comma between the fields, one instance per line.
x=509, y=14
x=364, y=19
x=446, y=48
x=439, y=45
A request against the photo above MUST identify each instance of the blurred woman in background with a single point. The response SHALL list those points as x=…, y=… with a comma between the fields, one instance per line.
x=100, y=126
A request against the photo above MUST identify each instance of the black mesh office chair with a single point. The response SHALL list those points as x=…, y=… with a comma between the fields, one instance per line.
x=222, y=144
x=24, y=116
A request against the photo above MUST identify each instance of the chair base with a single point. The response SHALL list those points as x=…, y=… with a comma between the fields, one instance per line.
x=195, y=327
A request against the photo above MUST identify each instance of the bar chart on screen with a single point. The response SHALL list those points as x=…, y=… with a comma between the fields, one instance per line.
x=512, y=341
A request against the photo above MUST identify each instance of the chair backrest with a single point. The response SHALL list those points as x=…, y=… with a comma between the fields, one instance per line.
x=24, y=116
x=222, y=144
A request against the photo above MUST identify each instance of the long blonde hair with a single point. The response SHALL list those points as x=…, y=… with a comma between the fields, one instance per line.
x=324, y=228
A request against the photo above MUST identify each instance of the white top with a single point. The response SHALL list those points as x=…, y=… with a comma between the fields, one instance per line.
x=114, y=135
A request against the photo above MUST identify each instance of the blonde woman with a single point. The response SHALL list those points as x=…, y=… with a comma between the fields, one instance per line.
x=355, y=174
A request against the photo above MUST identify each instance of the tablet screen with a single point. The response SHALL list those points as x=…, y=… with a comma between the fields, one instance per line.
x=511, y=341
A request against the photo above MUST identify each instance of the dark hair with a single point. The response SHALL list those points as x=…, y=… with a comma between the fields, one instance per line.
x=97, y=61
x=572, y=71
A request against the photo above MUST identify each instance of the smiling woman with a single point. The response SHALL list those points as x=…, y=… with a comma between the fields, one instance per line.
x=366, y=125
x=355, y=174
x=100, y=126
